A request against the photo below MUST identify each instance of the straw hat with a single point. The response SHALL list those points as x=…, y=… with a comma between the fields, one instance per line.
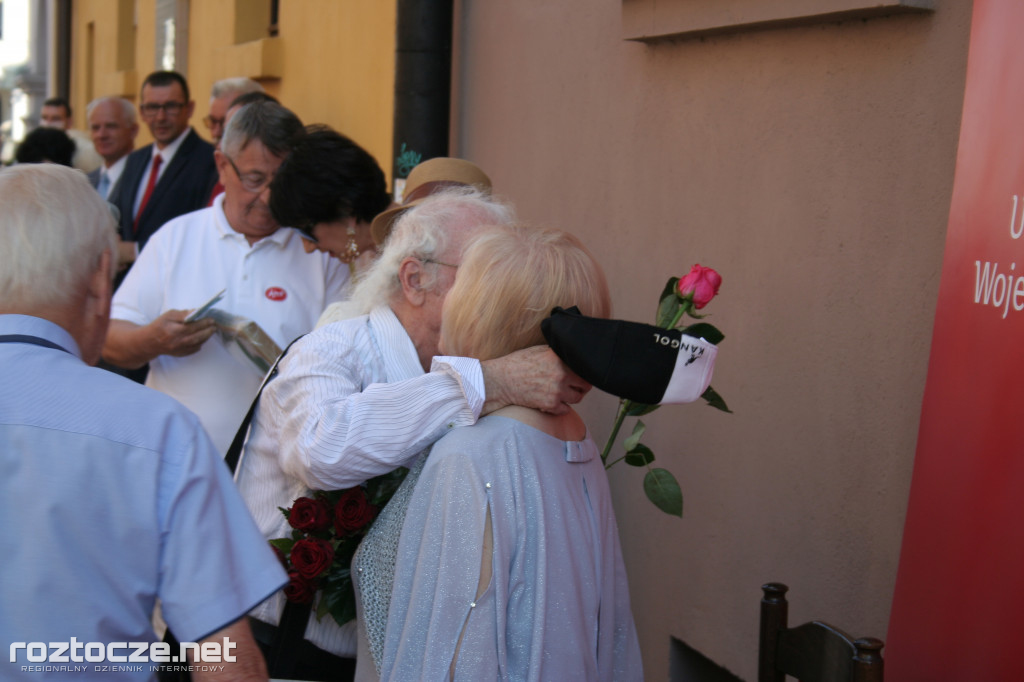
x=428, y=177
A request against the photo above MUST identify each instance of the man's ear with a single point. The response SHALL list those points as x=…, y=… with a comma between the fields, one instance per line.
x=410, y=274
x=221, y=161
x=101, y=284
x=94, y=315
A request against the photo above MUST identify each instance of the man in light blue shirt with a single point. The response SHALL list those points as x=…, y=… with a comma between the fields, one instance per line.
x=112, y=494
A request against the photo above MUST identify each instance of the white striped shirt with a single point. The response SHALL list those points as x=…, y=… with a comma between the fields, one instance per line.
x=350, y=402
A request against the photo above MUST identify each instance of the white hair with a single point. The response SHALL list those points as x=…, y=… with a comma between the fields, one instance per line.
x=421, y=232
x=53, y=229
x=127, y=108
x=234, y=86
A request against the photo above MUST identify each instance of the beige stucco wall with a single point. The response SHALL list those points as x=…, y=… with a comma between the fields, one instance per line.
x=812, y=167
x=331, y=62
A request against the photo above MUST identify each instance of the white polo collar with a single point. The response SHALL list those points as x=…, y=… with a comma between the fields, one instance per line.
x=279, y=238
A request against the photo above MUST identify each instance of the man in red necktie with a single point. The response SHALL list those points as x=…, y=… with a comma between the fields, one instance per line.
x=170, y=177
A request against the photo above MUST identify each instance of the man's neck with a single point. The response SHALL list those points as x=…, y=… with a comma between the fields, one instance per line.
x=70, y=317
x=419, y=332
x=160, y=146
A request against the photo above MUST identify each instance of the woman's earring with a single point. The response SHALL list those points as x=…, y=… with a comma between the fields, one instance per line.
x=351, y=248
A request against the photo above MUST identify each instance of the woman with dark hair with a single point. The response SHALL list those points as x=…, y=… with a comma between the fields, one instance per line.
x=330, y=189
x=46, y=145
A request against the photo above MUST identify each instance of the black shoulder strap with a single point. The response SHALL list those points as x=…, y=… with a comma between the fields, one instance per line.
x=234, y=452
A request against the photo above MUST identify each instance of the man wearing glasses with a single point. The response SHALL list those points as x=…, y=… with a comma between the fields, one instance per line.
x=170, y=177
x=223, y=93
x=234, y=246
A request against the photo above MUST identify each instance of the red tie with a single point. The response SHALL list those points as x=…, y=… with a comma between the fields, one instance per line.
x=157, y=160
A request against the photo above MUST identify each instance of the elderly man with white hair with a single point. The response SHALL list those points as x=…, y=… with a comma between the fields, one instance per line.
x=120, y=497
x=357, y=398
x=113, y=126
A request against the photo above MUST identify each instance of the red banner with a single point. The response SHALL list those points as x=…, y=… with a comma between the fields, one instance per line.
x=958, y=609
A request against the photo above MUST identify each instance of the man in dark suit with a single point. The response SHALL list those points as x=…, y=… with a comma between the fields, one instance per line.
x=170, y=177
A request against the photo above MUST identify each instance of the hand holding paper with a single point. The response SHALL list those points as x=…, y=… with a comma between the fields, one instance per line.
x=173, y=334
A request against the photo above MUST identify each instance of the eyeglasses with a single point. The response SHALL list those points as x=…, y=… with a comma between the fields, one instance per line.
x=251, y=182
x=170, y=108
x=437, y=262
x=210, y=122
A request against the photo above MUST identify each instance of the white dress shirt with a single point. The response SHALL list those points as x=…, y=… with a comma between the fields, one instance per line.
x=167, y=153
x=113, y=172
x=350, y=402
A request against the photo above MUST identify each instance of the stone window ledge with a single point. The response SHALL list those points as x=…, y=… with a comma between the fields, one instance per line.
x=654, y=20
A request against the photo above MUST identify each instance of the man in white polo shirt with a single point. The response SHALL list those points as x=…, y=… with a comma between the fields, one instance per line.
x=235, y=246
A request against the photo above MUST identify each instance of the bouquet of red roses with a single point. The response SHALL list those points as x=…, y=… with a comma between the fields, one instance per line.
x=327, y=528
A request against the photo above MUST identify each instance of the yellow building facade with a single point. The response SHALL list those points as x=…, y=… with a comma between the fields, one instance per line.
x=330, y=62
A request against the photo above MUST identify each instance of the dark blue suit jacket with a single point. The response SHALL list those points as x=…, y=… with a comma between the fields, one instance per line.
x=185, y=186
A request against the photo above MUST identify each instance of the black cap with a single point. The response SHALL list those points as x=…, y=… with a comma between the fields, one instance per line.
x=631, y=360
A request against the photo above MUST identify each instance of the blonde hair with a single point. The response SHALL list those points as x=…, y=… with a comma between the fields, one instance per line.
x=509, y=280
x=53, y=229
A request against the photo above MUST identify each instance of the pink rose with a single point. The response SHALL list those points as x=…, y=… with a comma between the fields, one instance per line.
x=700, y=286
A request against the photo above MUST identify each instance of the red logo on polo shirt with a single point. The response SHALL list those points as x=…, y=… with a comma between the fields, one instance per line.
x=276, y=294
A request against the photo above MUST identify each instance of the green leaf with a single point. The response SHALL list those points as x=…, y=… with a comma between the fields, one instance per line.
x=639, y=456
x=283, y=544
x=640, y=409
x=634, y=438
x=346, y=548
x=668, y=308
x=670, y=288
x=668, y=304
x=380, y=488
x=339, y=596
x=663, y=490
x=321, y=607
x=703, y=330
x=715, y=400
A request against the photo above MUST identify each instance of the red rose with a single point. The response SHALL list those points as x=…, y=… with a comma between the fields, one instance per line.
x=309, y=515
x=312, y=556
x=298, y=589
x=353, y=511
x=700, y=285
